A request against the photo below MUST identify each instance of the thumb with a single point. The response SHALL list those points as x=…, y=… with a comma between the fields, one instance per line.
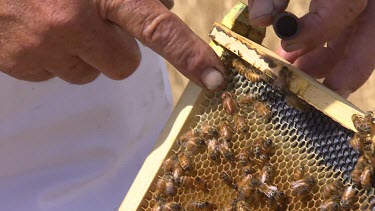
x=161, y=30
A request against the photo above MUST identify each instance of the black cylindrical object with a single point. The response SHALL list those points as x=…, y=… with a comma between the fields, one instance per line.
x=286, y=25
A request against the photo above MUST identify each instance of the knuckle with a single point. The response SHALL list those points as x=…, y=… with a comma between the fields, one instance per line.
x=159, y=29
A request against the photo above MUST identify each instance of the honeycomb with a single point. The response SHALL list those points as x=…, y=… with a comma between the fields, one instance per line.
x=307, y=138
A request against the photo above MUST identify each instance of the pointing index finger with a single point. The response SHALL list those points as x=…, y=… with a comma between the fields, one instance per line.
x=161, y=30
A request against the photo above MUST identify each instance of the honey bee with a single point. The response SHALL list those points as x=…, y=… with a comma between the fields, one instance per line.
x=254, y=77
x=258, y=196
x=242, y=206
x=357, y=122
x=278, y=202
x=194, y=145
x=213, y=149
x=262, y=160
x=267, y=174
x=184, y=161
x=186, y=181
x=269, y=191
x=299, y=173
x=188, y=135
x=231, y=206
x=366, y=176
x=228, y=180
x=263, y=146
x=333, y=190
x=356, y=142
x=330, y=205
x=245, y=180
x=172, y=206
x=169, y=163
x=302, y=188
x=160, y=188
x=245, y=191
x=248, y=170
x=226, y=132
x=371, y=159
x=201, y=184
x=282, y=81
x=370, y=155
x=281, y=198
x=347, y=199
x=263, y=110
x=209, y=131
x=170, y=188
x=240, y=123
x=246, y=186
x=372, y=204
x=177, y=172
x=243, y=70
x=243, y=157
x=200, y=206
x=357, y=171
x=229, y=104
x=250, y=98
x=158, y=206
x=296, y=102
x=368, y=122
x=225, y=150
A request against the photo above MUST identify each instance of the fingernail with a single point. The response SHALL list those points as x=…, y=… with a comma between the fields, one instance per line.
x=293, y=47
x=260, y=9
x=212, y=78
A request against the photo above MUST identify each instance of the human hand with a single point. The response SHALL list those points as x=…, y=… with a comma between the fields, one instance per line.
x=78, y=40
x=346, y=26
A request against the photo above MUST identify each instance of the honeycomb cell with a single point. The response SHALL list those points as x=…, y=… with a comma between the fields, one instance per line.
x=309, y=138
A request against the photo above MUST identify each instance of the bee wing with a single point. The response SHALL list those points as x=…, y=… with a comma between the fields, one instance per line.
x=273, y=188
x=298, y=184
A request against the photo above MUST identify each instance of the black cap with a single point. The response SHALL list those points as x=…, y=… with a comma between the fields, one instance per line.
x=286, y=25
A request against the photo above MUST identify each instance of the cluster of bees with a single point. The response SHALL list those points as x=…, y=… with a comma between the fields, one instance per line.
x=303, y=184
x=280, y=82
x=256, y=183
x=364, y=142
x=254, y=186
x=338, y=197
x=218, y=144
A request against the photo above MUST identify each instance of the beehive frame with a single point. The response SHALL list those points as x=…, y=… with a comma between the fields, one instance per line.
x=185, y=116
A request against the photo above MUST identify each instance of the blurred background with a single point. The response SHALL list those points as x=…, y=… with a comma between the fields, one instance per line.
x=199, y=15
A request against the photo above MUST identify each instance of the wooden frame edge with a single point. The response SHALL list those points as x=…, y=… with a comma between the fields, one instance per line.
x=151, y=166
x=301, y=84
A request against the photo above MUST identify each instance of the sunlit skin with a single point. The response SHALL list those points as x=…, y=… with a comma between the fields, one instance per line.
x=346, y=62
x=77, y=40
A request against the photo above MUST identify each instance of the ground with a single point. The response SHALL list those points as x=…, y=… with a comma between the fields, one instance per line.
x=200, y=15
